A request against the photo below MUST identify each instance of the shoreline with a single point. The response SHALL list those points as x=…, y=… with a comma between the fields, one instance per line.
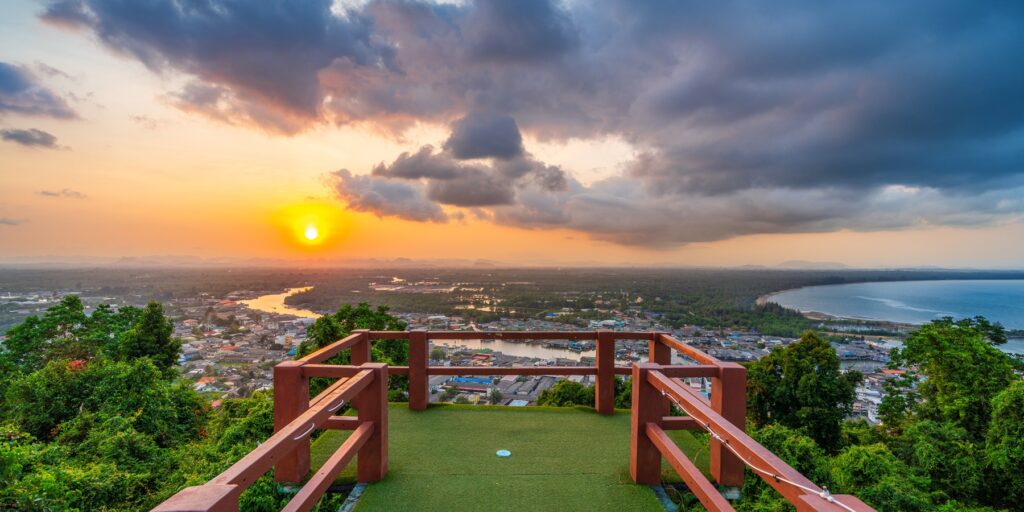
x=881, y=323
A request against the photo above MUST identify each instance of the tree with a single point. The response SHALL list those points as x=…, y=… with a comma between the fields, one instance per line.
x=944, y=452
x=437, y=354
x=567, y=393
x=330, y=328
x=57, y=334
x=801, y=386
x=449, y=393
x=151, y=337
x=794, y=448
x=957, y=373
x=875, y=475
x=496, y=396
x=1004, y=446
x=623, y=392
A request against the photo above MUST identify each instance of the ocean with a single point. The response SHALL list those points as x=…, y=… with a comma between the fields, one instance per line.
x=916, y=302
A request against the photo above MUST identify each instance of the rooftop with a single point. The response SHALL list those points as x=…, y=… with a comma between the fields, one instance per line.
x=443, y=458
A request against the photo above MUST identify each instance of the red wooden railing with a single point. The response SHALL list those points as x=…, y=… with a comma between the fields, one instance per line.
x=656, y=384
x=288, y=449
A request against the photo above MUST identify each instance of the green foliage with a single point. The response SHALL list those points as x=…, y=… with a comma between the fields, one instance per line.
x=623, y=392
x=1004, y=447
x=801, y=386
x=797, y=450
x=496, y=396
x=943, y=451
x=151, y=337
x=877, y=477
x=958, y=370
x=330, y=328
x=567, y=393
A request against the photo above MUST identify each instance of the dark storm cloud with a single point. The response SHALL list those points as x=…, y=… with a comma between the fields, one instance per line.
x=791, y=116
x=520, y=31
x=21, y=93
x=452, y=182
x=485, y=136
x=266, y=53
x=30, y=137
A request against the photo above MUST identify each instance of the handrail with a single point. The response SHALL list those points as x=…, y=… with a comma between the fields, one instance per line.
x=656, y=384
x=652, y=385
x=368, y=386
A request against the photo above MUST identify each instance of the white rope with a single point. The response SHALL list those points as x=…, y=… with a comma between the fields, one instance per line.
x=823, y=493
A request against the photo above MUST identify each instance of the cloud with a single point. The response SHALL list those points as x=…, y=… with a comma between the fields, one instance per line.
x=804, y=117
x=485, y=136
x=521, y=31
x=30, y=137
x=21, y=93
x=451, y=182
x=257, y=58
x=383, y=197
x=6, y=221
x=66, y=193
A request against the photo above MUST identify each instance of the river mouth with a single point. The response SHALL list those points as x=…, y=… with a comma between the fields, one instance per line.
x=274, y=303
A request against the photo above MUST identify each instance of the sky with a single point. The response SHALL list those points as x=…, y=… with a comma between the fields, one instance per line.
x=527, y=132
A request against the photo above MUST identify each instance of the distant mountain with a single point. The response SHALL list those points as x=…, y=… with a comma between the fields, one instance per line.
x=812, y=265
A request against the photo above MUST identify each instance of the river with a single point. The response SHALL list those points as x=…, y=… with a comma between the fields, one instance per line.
x=274, y=303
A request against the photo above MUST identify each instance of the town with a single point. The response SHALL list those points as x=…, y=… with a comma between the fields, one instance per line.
x=229, y=348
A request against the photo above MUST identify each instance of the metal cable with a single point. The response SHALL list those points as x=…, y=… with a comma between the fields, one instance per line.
x=304, y=434
x=823, y=493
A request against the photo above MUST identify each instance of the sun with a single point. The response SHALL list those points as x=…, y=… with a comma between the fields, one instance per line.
x=312, y=225
x=311, y=233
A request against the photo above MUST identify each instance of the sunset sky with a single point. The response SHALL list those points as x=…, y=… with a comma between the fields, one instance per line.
x=526, y=132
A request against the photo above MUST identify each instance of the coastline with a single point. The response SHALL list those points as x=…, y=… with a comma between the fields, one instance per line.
x=890, y=324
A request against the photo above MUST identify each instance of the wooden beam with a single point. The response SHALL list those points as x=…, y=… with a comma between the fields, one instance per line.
x=703, y=489
x=690, y=371
x=333, y=349
x=342, y=423
x=334, y=371
x=679, y=423
x=257, y=462
x=686, y=350
x=511, y=371
x=744, y=444
x=310, y=494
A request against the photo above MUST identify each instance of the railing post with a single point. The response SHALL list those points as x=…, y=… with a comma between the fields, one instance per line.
x=291, y=398
x=373, y=406
x=604, y=387
x=644, y=457
x=361, y=350
x=660, y=353
x=418, y=392
x=729, y=399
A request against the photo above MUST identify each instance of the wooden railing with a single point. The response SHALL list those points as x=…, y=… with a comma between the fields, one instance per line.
x=656, y=387
x=656, y=384
x=287, y=451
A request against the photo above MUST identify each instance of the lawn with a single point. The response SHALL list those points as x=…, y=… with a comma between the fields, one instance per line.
x=562, y=459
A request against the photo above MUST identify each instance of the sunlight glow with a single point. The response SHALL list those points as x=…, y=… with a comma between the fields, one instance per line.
x=313, y=225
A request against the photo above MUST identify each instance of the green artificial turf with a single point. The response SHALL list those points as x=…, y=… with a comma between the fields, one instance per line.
x=562, y=459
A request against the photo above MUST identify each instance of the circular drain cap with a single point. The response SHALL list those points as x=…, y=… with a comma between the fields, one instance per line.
x=504, y=453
